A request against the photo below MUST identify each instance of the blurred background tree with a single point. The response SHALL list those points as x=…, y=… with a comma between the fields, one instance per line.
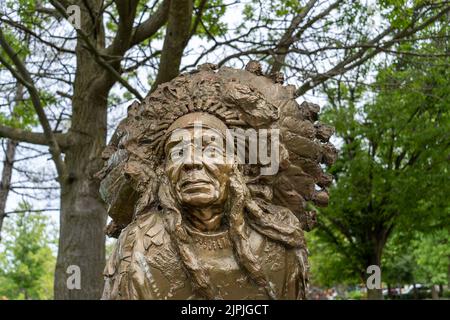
x=27, y=259
x=392, y=174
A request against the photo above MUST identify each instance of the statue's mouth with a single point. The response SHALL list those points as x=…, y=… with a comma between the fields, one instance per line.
x=193, y=178
x=188, y=183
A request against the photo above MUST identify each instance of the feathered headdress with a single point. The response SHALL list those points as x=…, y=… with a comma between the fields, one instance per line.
x=241, y=99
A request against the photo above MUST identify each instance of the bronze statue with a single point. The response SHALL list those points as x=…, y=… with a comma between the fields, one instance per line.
x=211, y=227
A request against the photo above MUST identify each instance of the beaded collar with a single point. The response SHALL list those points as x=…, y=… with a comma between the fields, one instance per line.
x=211, y=240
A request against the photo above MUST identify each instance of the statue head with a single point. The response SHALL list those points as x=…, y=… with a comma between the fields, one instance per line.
x=170, y=156
x=197, y=168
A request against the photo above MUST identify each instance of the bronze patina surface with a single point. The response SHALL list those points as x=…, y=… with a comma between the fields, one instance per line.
x=208, y=229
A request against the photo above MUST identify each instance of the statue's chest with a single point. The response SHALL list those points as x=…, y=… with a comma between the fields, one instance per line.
x=226, y=265
x=217, y=255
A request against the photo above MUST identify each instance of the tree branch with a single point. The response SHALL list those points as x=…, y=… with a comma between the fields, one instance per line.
x=286, y=39
x=33, y=137
x=244, y=53
x=97, y=55
x=360, y=57
x=198, y=17
x=33, y=34
x=127, y=13
x=149, y=27
x=22, y=75
x=177, y=34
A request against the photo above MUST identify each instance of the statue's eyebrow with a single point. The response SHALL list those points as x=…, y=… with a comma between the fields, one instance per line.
x=171, y=142
x=216, y=135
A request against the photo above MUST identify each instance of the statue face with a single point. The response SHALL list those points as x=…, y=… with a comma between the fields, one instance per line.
x=197, y=169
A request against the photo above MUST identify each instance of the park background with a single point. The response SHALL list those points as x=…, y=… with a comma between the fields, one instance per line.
x=379, y=69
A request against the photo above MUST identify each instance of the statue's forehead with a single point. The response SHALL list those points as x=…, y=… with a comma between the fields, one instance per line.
x=193, y=134
x=196, y=125
x=190, y=133
x=200, y=129
x=198, y=120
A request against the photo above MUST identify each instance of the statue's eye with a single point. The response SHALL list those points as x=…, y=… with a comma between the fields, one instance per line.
x=213, y=151
x=176, y=153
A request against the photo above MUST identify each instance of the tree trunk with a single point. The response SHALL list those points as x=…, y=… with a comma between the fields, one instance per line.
x=83, y=215
x=435, y=292
x=389, y=291
x=448, y=274
x=8, y=163
x=374, y=294
x=6, y=178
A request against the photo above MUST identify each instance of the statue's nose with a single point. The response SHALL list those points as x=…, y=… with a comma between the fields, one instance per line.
x=192, y=166
x=194, y=159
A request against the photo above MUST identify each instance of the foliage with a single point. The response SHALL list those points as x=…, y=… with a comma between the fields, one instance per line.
x=392, y=173
x=355, y=295
x=399, y=265
x=212, y=19
x=328, y=267
x=27, y=260
x=423, y=259
x=432, y=253
x=22, y=115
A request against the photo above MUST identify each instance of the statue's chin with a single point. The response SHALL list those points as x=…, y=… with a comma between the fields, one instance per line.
x=198, y=199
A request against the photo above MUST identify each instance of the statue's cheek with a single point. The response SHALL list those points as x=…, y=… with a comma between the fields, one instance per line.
x=173, y=171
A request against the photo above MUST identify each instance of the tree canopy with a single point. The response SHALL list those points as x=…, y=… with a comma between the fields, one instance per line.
x=393, y=170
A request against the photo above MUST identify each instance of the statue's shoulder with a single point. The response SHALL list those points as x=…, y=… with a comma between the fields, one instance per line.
x=145, y=254
x=150, y=231
x=144, y=232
